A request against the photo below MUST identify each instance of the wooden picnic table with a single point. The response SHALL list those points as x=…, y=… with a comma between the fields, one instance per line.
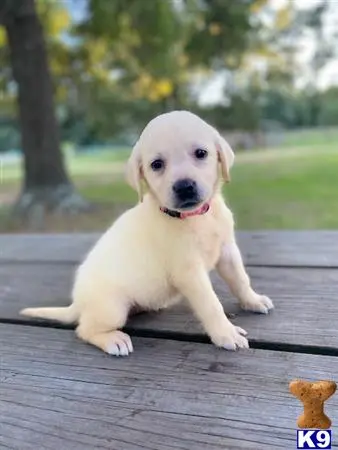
x=176, y=391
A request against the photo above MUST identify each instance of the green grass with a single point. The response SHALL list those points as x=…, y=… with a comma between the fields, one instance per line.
x=78, y=164
x=285, y=188
x=113, y=192
x=297, y=190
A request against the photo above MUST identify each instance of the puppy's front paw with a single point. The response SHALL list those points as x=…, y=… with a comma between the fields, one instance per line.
x=232, y=338
x=119, y=344
x=257, y=303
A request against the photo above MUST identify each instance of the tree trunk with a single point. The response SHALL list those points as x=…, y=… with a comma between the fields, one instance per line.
x=46, y=184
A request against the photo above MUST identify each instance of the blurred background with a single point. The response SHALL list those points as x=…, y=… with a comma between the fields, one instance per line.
x=79, y=79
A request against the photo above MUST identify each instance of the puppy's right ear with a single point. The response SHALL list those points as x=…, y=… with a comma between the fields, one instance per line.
x=134, y=171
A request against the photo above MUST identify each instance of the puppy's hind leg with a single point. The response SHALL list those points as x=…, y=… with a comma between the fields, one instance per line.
x=100, y=327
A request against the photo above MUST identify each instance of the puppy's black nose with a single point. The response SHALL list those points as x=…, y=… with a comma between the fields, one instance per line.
x=185, y=189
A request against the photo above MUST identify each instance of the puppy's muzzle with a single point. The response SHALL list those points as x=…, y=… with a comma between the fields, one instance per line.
x=186, y=193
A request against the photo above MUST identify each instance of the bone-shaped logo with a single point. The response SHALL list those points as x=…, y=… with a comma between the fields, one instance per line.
x=313, y=396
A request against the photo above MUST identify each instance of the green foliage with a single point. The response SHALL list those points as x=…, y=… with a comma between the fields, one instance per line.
x=220, y=32
x=313, y=20
x=329, y=107
x=149, y=52
x=241, y=114
x=293, y=109
x=129, y=60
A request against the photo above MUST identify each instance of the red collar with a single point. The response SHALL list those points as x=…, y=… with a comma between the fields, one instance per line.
x=183, y=215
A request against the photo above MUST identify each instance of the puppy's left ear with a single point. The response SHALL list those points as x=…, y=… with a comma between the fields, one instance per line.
x=226, y=156
x=134, y=172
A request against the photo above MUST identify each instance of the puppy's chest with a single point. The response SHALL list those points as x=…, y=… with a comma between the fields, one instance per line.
x=208, y=241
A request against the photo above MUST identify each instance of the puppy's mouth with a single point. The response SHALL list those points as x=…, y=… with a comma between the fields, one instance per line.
x=188, y=204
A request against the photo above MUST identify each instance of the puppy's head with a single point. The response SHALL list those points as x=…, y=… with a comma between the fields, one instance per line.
x=178, y=156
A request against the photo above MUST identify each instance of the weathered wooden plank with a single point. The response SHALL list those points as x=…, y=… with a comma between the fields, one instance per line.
x=306, y=302
x=57, y=392
x=290, y=248
x=70, y=247
x=265, y=248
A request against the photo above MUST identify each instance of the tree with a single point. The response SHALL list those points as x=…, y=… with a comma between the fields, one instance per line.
x=329, y=107
x=313, y=20
x=46, y=185
x=157, y=47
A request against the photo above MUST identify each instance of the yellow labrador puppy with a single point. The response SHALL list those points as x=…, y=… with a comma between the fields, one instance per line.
x=164, y=248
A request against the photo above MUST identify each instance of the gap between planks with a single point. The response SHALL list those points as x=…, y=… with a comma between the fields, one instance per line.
x=194, y=338
x=72, y=263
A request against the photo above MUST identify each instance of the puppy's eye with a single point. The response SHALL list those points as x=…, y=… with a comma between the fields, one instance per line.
x=157, y=164
x=200, y=153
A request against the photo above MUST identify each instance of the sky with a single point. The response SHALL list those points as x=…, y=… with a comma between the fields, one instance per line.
x=77, y=9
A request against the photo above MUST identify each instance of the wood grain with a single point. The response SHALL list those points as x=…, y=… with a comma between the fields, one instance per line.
x=262, y=248
x=306, y=302
x=57, y=392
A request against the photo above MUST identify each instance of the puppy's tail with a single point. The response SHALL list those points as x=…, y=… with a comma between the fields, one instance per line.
x=66, y=315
